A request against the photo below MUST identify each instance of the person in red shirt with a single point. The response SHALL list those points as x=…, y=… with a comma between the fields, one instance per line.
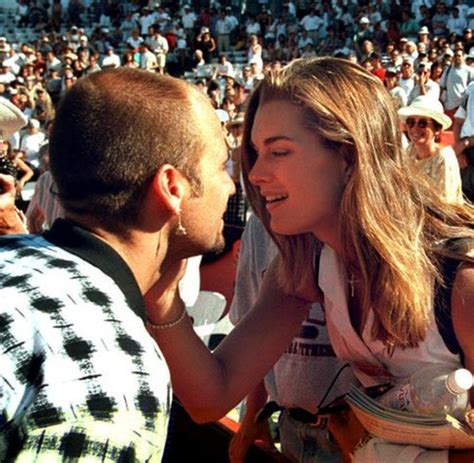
x=377, y=68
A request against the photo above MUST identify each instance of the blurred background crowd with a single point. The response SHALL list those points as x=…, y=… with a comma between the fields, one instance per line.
x=417, y=48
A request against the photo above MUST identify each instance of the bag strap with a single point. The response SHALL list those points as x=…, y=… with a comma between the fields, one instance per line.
x=443, y=308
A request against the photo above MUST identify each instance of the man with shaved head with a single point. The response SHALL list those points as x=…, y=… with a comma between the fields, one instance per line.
x=141, y=176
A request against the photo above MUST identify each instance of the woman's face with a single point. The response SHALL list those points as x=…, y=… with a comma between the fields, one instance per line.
x=4, y=146
x=300, y=180
x=420, y=130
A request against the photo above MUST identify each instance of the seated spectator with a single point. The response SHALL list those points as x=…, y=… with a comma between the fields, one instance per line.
x=43, y=109
x=224, y=66
x=424, y=120
x=111, y=59
x=135, y=40
x=377, y=68
x=31, y=143
x=128, y=60
x=148, y=59
x=409, y=26
x=399, y=95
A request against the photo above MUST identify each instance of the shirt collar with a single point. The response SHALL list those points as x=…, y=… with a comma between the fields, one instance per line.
x=73, y=238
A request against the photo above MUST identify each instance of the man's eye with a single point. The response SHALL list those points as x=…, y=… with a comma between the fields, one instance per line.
x=279, y=153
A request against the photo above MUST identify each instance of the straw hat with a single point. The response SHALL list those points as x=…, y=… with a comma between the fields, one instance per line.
x=426, y=106
x=11, y=118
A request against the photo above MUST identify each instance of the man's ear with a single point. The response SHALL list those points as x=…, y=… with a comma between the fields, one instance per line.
x=169, y=188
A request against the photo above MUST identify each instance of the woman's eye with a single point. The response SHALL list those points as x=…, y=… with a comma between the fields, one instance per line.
x=279, y=153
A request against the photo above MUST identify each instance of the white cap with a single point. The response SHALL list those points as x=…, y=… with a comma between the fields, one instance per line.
x=459, y=381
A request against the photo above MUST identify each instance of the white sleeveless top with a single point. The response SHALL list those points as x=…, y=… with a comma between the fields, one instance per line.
x=369, y=358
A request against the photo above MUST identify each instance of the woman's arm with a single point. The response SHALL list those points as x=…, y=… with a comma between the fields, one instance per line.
x=209, y=385
x=213, y=45
x=26, y=170
x=249, y=431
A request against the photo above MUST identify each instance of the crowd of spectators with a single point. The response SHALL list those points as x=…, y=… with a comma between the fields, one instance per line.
x=422, y=47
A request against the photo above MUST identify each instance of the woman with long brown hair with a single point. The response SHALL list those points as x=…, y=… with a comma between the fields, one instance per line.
x=328, y=178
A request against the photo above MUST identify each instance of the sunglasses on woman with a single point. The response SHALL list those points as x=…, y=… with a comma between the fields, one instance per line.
x=420, y=123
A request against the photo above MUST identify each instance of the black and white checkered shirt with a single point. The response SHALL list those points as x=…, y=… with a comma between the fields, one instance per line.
x=80, y=377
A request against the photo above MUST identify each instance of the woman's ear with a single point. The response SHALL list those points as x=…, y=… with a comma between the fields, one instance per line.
x=169, y=188
x=348, y=159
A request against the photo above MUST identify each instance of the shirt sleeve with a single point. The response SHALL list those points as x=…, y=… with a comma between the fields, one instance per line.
x=246, y=282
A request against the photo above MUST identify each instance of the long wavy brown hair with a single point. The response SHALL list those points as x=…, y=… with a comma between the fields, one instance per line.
x=393, y=228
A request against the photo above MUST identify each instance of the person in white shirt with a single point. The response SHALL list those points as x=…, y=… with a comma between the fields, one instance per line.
x=224, y=66
x=135, y=40
x=454, y=82
x=234, y=22
x=223, y=30
x=463, y=130
x=393, y=86
x=31, y=143
x=304, y=39
x=53, y=63
x=127, y=26
x=158, y=45
x=145, y=21
x=13, y=61
x=311, y=23
x=423, y=84
x=407, y=77
x=110, y=60
x=291, y=8
x=6, y=76
x=456, y=23
x=188, y=19
x=252, y=27
x=148, y=59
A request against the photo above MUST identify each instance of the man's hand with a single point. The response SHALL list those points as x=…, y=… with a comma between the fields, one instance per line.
x=12, y=221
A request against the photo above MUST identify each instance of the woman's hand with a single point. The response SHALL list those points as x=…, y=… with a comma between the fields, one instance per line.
x=347, y=431
x=248, y=433
x=162, y=300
